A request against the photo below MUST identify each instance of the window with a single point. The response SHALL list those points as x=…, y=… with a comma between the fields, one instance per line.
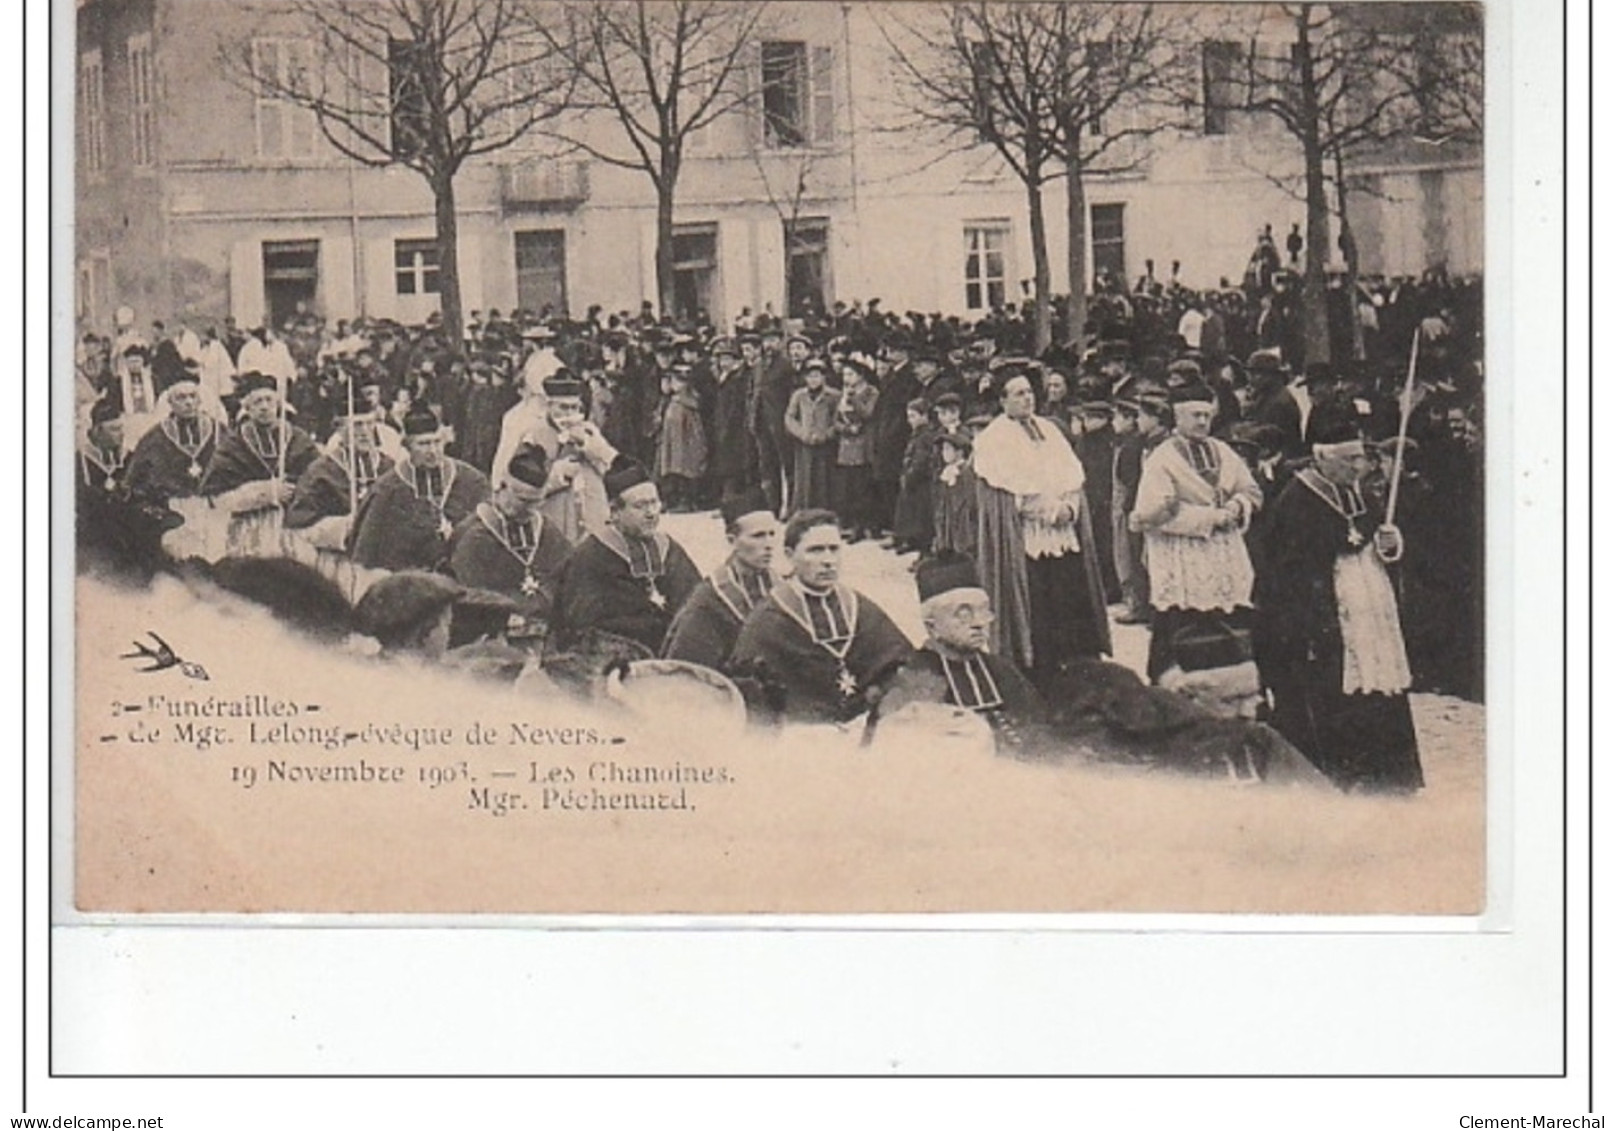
x=798, y=99
x=92, y=113
x=1100, y=64
x=415, y=267
x=407, y=91
x=985, y=270
x=142, y=103
x=1108, y=237
x=285, y=129
x=1219, y=64
x=985, y=75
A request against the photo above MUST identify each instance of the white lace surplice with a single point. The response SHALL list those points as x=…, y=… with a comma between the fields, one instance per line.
x=1370, y=629
x=1191, y=564
x=1006, y=457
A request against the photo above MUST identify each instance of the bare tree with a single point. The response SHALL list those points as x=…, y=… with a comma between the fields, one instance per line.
x=788, y=198
x=662, y=71
x=1342, y=80
x=429, y=84
x=1057, y=89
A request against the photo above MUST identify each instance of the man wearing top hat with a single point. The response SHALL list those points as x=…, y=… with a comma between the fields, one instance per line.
x=1272, y=401
x=627, y=578
x=505, y=545
x=829, y=649
x=955, y=665
x=405, y=520
x=1195, y=499
x=253, y=471
x=890, y=428
x=705, y=629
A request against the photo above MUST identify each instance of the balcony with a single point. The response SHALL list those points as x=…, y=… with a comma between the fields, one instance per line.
x=544, y=185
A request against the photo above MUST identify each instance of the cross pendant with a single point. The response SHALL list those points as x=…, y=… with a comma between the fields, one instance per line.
x=847, y=684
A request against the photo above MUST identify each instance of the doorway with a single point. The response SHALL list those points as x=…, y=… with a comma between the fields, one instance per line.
x=291, y=279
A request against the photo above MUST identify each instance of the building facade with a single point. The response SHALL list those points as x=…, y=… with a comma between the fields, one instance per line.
x=197, y=199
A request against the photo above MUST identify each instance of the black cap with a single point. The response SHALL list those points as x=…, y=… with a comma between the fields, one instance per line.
x=562, y=383
x=944, y=573
x=1265, y=361
x=625, y=475
x=530, y=465
x=1331, y=425
x=1193, y=391
x=254, y=382
x=420, y=420
x=103, y=410
x=738, y=506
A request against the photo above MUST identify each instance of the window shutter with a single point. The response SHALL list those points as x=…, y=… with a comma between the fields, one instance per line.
x=821, y=71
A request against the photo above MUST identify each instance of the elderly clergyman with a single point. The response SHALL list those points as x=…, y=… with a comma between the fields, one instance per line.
x=1196, y=496
x=955, y=667
x=1331, y=628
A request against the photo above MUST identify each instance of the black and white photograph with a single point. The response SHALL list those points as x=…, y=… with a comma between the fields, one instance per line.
x=754, y=458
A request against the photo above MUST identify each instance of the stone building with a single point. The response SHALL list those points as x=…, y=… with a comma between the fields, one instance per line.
x=196, y=200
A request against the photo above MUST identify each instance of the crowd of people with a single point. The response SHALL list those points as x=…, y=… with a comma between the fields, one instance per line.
x=1180, y=469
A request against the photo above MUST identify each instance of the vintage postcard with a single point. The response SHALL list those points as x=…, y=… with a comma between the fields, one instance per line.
x=731, y=457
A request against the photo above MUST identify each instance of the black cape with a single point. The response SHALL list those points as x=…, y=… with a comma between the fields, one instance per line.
x=598, y=589
x=809, y=675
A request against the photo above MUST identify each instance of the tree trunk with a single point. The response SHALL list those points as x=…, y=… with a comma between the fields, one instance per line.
x=1348, y=252
x=1076, y=216
x=664, y=247
x=1040, y=268
x=1314, y=301
x=448, y=258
